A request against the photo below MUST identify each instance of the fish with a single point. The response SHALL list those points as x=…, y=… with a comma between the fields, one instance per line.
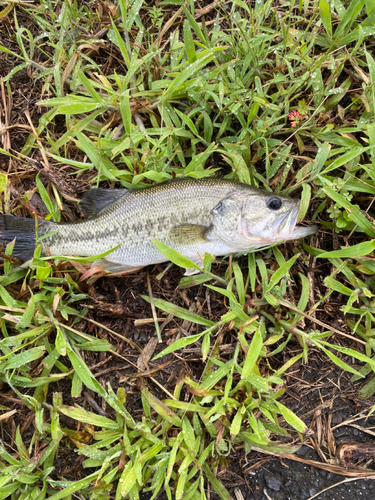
x=192, y=216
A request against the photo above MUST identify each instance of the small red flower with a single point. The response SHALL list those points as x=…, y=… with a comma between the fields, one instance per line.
x=295, y=117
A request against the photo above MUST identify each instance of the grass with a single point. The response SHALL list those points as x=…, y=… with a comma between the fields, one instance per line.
x=277, y=96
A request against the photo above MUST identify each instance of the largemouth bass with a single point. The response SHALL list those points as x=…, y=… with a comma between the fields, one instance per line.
x=193, y=216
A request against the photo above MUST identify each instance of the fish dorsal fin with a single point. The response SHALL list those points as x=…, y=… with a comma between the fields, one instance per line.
x=187, y=234
x=96, y=200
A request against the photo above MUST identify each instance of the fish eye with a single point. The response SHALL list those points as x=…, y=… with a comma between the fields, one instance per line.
x=218, y=209
x=274, y=203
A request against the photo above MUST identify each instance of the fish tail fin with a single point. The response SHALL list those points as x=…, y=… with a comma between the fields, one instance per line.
x=21, y=229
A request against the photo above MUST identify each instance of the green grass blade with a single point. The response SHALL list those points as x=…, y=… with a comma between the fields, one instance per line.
x=174, y=256
x=189, y=43
x=180, y=312
x=88, y=417
x=291, y=418
x=325, y=13
x=252, y=354
x=352, y=252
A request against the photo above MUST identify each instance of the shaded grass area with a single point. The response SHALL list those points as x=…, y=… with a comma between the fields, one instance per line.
x=280, y=96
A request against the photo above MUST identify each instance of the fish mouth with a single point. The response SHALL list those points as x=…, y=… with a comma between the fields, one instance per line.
x=285, y=224
x=287, y=228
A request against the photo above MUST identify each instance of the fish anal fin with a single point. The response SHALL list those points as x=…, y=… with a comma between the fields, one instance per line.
x=114, y=267
x=187, y=234
x=96, y=200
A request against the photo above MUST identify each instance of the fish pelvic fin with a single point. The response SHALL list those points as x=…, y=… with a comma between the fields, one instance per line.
x=96, y=200
x=191, y=272
x=199, y=262
x=187, y=234
x=23, y=231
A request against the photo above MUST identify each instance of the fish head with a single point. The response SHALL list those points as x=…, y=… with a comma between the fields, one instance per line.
x=255, y=218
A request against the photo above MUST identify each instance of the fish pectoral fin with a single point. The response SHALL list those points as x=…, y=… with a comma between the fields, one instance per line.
x=96, y=200
x=187, y=234
x=113, y=267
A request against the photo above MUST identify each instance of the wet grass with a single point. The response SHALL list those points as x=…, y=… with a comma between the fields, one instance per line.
x=276, y=96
